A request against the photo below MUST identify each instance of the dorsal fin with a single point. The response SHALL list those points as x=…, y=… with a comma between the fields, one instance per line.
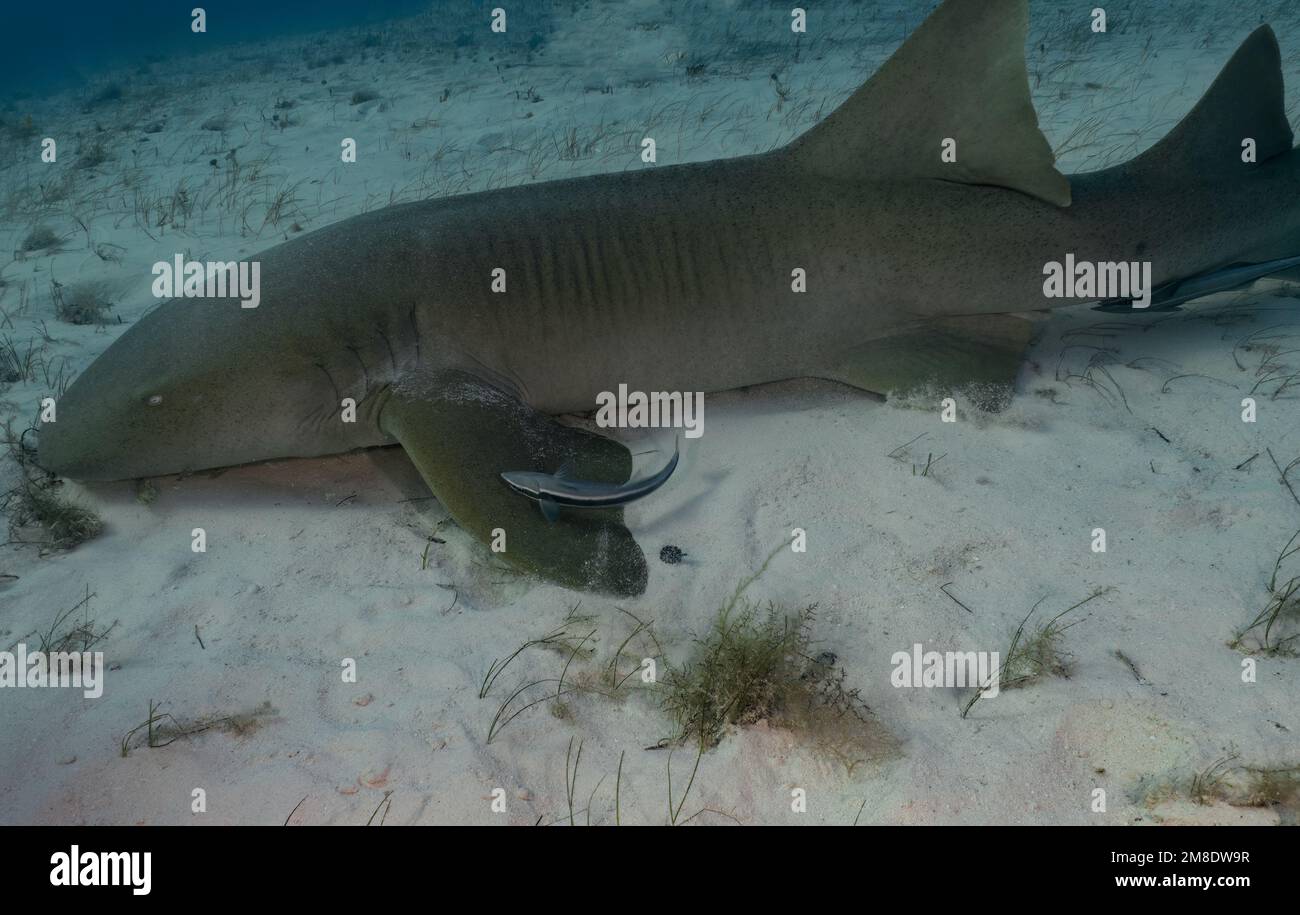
x=1247, y=99
x=961, y=75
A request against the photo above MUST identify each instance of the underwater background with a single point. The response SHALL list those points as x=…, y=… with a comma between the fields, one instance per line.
x=475, y=684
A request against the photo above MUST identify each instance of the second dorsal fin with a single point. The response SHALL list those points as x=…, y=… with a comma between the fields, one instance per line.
x=960, y=76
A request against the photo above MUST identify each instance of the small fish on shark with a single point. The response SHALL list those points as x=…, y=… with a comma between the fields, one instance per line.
x=1171, y=296
x=552, y=490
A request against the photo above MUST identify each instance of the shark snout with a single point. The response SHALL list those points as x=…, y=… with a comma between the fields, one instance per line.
x=523, y=482
x=58, y=452
x=50, y=454
x=86, y=440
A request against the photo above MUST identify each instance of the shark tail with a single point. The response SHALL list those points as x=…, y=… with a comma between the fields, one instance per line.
x=1239, y=125
x=1246, y=102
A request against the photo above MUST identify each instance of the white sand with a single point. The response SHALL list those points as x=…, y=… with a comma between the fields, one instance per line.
x=311, y=562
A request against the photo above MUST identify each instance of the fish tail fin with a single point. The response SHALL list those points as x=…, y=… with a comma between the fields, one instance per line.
x=1244, y=106
x=1239, y=125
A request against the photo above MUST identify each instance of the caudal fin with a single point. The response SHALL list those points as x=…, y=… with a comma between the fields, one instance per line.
x=1246, y=102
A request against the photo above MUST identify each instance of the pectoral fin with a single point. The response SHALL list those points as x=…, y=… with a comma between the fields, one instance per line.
x=462, y=433
x=980, y=355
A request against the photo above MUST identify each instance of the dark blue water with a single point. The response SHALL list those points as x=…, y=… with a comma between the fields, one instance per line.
x=51, y=45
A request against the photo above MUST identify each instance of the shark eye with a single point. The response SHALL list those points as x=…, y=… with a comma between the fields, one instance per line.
x=154, y=400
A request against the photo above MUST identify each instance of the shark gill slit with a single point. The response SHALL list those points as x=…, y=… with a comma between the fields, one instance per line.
x=365, y=375
x=338, y=395
x=415, y=326
x=392, y=356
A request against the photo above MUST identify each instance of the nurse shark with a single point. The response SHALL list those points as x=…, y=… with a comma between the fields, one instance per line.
x=921, y=213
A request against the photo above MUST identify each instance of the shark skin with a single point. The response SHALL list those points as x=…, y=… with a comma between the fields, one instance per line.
x=679, y=278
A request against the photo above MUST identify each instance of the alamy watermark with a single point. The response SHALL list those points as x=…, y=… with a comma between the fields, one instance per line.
x=1098, y=280
x=82, y=670
x=182, y=279
x=655, y=410
x=103, y=868
x=921, y=668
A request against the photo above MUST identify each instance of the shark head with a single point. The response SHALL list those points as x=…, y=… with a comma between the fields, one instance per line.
x=169, y=397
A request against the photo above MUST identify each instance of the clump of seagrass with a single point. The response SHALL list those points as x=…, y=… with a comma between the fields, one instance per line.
x=81, y=303
x=162, y=728
x=1273, y=630
x=92, y=155
x=676, y=801
x=1226, y=781
x=38, y=501
x=1034, y=654
x=66, y=523
x=755, y=666
x=748, y=668
x=40, y=238
x=18, y=362
x=581, y=669
x=66, y=633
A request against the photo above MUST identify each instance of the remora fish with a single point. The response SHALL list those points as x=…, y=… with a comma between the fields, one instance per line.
x=553, y=490
x=679, y=278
